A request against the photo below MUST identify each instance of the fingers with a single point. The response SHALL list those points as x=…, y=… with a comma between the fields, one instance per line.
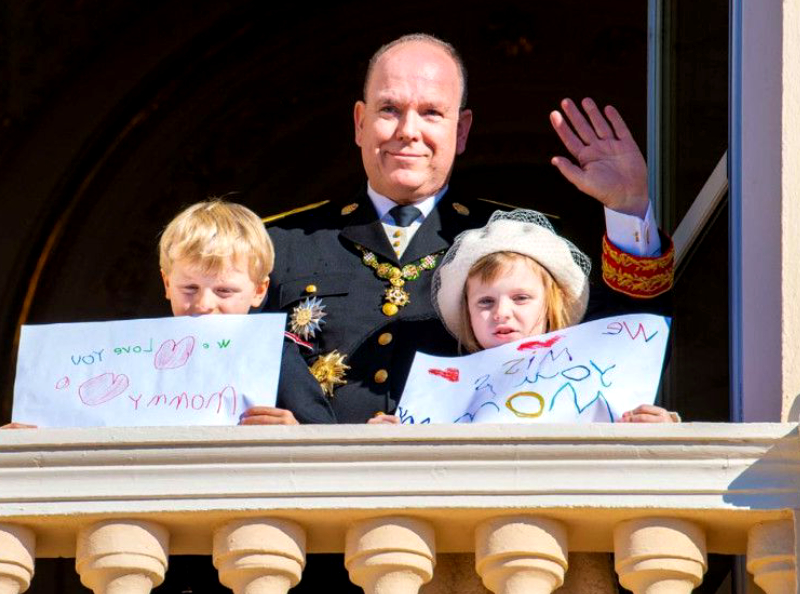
x=384, y=420
x=599, y=122
x=267, y=415
x=578, y=121
x=573, y=144
x=588, y=131
x=620, y=127
x=19, y=426
x=647, y=413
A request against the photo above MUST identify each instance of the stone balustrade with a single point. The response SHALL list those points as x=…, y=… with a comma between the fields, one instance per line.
x=521, y=499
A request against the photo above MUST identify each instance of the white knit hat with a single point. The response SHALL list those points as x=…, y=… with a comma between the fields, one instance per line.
x=525, y=232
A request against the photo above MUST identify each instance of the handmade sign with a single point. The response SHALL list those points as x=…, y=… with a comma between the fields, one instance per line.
x=169, y=371
x=587, y=373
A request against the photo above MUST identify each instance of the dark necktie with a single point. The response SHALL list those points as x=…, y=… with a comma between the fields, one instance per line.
x=405, y=215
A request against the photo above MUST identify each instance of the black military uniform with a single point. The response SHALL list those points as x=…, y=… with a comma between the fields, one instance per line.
x=317, y=255
x=298, y=391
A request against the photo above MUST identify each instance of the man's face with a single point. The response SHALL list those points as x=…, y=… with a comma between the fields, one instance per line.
x=411, y=128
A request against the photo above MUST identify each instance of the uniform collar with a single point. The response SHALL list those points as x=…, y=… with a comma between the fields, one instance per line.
x=436, y=234
x=384, y=204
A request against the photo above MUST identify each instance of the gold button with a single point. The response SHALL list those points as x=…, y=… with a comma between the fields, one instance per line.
x=396, y=244
x=381, y=376
x=385, y=338
x=398, y=233
x=311, y=289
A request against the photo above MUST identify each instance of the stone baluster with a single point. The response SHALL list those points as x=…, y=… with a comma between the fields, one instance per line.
x=659, y=555
x=392, y=555
x=260, y=556
x=17, y=556
x=521, y=554
x=122, y=556
x=771, y=556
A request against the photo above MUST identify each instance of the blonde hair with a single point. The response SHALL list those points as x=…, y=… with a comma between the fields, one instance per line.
x=489, y=268
x=212, y=232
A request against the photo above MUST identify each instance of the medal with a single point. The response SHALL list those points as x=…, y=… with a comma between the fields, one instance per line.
x=329, y=371
x=306, y=317
x=396, y=296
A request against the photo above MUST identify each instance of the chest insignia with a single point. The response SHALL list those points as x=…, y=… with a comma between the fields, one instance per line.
x=395, y=295
x=306, y=318
x=329, y=371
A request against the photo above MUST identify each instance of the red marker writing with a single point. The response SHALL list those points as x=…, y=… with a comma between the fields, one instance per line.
x=450, y=374
x=538, y=344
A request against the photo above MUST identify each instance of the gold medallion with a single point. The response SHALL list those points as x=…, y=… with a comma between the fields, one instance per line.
x=306, y=317
x=329, y=371
x=396, y=296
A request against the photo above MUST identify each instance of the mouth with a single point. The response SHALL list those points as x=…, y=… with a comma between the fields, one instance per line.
x=506, y=333
x=405, y=156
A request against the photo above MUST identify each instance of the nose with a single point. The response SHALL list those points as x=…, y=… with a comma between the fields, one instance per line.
x=408, y=126
x=502, y=310
x=205, y=302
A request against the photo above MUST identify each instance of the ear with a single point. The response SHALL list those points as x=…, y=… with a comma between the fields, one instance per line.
x=165, y=280
x=358, y=119
x=462, y=130
x=261, y=292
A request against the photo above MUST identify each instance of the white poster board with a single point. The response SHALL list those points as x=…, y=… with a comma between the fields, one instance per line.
x=166, y=371
x=592, y=372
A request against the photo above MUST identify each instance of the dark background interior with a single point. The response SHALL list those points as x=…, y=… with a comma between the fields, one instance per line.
x=115, y=116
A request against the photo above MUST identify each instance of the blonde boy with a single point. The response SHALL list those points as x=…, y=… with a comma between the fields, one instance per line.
x=215, y=258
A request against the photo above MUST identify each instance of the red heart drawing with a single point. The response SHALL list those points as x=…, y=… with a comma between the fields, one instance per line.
x=450, y=374
x=171, y=355
x=102, y=388
x=538, y=344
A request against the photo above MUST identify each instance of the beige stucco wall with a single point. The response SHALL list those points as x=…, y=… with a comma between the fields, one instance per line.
x=767, y=87
x=790, y=211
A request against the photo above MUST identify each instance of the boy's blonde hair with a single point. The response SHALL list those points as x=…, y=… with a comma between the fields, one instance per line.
x=210, y=233
x=491, y=267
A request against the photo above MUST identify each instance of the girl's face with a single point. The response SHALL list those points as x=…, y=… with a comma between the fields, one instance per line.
x=508, y=308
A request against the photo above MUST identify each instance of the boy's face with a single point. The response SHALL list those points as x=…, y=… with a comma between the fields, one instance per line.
x=511, y=307
x=192, y=292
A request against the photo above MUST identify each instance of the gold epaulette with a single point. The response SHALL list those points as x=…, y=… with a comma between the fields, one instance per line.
x=275, y=217
x=512, y=207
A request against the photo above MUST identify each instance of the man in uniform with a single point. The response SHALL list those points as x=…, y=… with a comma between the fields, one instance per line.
x=354, y=276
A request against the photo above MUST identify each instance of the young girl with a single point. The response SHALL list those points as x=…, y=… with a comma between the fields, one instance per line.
x=514, y=278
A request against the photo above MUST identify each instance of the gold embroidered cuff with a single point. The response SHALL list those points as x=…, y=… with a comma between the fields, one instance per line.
x=642, y=277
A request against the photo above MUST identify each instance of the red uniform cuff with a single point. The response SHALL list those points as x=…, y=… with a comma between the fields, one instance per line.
x=642, y=277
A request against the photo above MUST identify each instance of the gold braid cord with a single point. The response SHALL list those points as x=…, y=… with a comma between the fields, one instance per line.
x=638, y=276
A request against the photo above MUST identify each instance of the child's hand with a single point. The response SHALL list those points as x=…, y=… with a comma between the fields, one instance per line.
x=647, y=413
x=384, y=420
x=267, y=415
x=19, y=426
